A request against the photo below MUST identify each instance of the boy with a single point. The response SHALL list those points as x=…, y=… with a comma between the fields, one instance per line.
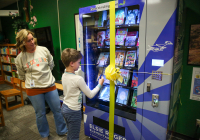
x=73, y=86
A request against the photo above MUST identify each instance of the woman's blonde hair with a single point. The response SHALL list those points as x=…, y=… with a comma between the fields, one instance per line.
x=22, y=37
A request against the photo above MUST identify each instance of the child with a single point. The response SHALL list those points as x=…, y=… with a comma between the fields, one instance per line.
x=73, y=86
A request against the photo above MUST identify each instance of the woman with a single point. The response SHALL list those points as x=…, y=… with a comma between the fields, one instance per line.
x=34, y=65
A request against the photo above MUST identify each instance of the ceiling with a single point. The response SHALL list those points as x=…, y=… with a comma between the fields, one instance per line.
x=4, y=3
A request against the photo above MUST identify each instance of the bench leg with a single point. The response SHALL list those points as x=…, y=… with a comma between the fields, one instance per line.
x=6, y=102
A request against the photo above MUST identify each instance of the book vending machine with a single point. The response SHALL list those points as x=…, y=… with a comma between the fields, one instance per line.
x=144, y=43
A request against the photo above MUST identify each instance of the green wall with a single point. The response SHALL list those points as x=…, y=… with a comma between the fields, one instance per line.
x=46, y=13
x=189, y=110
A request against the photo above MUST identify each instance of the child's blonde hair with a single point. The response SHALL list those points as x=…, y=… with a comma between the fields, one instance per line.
x=22, y=37
x=70, y=55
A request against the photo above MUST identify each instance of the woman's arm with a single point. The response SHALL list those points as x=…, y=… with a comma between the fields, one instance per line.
x=50, y=60
x=20, y=69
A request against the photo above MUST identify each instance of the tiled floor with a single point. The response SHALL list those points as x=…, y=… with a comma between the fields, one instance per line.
x=20, y=124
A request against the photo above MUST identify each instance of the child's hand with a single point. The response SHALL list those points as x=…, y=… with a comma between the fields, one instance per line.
x=101, y=81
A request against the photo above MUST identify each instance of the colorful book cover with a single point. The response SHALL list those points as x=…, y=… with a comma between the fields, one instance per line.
x=131, y=16
x=131, y=38
x=103, y=59
x=108, y=21
x=126, y=76
x=13, y=74
x=105, y=93
x=13, y=51
x=119, y=58
x=14, y=67
x=134, y=99
x=137, y=42
x=122, y=96
x=102, y=73
x=120, y=36
x=138, y=17
x=137, y=59
x=138, y=53
x=130, y=59
x=107, y=38
x=100, y=38
x=134, y=83
x=119, y=16
x=102, y=17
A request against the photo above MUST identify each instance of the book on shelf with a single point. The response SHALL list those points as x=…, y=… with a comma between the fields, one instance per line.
x=131, y=38
x=103, y=59
x=106, y=81
x=120, y=15
x=107, y=22
x=7, y=68
x=134, y=82
x=137, y=59
x=14, y=68
x=13, y=74
x=101, y=72
x=8, y=78
x=126, y=76
x=107, y=38
x=130, y=59
x=120, y=36
x=122, y=96
x=5, y=50
x=119, y=58
x=131, y=16
x=12, y=60
x=134, y=99
x=102, y=16
x=137, y=42
x=138, y=17
x=105, y=93
x=100, y=38
x=13, y=51
x=100, y=19
x=5, y=58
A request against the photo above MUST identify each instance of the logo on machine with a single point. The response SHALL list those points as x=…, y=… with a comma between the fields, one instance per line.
x=159, y=47
x=122, y=4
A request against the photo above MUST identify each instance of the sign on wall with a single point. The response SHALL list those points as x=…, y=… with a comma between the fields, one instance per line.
x=195, y=85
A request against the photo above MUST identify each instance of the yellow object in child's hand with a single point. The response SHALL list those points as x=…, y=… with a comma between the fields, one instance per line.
x=113, y=74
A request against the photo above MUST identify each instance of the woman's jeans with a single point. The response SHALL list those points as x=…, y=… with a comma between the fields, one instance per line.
x=38, y=102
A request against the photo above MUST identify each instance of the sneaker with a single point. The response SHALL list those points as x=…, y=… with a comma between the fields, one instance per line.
x=63, y=135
